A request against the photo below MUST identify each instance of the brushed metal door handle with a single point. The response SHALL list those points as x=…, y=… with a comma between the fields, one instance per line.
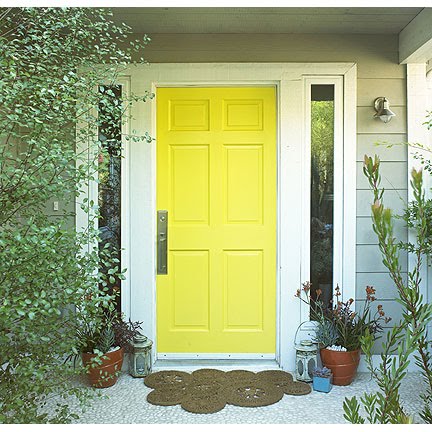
x=162, y=242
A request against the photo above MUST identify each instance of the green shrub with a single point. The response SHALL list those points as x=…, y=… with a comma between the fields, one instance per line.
x=52, y=61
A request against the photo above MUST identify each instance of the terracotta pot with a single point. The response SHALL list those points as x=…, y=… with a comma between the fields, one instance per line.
x=105, y=374
x=343, y=364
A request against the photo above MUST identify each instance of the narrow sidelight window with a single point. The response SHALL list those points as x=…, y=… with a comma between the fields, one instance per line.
x=322, y=190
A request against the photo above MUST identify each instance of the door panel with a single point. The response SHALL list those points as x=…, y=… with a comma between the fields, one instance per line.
x=243, y=290
x=190, y=286
x=216, y=176
x=190, y=183
x=243, y=189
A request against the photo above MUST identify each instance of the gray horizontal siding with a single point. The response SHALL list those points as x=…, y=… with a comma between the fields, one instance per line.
x=382, y=282
x=393, y=198
x=389, y=147
x=393, y=176
x=374, y=137
x=370, y=268
x=394, y=89
x=369, y=259
x=367, y=236
x=391, y=308
x=366, y=123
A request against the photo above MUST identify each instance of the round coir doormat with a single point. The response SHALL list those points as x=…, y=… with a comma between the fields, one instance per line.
x=207, y=391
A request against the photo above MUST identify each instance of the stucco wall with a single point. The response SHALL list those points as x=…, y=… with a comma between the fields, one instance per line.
x=379, y=74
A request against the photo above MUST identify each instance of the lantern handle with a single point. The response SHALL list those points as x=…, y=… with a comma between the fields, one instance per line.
x=298, y=328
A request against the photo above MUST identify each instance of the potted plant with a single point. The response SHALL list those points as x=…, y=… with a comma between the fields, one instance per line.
x=322, y=379
x=339, y=330
x=102, y=347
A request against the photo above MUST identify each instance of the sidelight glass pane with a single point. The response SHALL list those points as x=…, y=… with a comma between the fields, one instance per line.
x=109, y=191
x=322, y=191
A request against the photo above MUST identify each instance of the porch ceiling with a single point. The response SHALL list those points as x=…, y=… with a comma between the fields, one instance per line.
x=360, y=20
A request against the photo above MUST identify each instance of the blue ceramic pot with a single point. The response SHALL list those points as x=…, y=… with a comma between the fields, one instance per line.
x=322, y=384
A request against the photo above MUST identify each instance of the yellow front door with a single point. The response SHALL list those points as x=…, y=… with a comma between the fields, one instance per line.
x=216, y=177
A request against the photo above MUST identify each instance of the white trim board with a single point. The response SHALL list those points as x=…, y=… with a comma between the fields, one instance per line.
x=222, y=364
x=141, y=163
x=214, y=356
x=125, y=233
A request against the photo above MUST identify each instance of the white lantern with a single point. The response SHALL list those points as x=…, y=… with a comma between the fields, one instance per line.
x=306, y=360
x=306, y=357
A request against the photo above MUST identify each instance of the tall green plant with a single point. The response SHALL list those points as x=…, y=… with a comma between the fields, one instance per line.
x=52, y=61
x=409, y=336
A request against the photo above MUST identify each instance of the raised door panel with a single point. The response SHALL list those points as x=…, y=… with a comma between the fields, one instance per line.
x=243, y=181
x=243, y=290
x=189, y=166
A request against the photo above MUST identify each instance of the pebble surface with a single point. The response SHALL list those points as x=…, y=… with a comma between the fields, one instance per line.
x=126, y=403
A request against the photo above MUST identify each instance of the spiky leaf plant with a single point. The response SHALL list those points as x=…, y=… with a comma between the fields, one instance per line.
x=409, y=337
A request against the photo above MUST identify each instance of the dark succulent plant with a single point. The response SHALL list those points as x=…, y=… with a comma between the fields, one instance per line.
x=125, y=331
x=322, y=372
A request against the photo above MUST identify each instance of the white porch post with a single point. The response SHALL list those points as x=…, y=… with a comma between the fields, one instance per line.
x=429, y=143
x=415, y=49
x=417, y=106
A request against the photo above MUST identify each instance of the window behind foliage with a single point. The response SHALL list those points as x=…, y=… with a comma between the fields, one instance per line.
x=109, y=190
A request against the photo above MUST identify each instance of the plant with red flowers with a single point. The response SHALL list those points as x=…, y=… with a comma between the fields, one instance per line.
x=340, y=325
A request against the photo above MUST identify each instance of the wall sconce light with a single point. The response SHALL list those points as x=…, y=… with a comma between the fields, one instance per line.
x=383, y=112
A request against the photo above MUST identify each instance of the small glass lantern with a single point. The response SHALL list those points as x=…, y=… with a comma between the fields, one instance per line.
x=140, y=358
x=306, y=358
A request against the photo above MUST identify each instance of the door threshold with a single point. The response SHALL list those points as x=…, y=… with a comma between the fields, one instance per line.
x=229, y=364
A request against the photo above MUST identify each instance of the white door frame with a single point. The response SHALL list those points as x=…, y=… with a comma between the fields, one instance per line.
x=221, y=356
x=138, y=292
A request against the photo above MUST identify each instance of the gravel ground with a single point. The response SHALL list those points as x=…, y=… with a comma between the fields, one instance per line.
x=126, y=403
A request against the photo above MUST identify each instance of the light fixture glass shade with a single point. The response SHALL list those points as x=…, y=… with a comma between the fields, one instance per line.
x=383, y=111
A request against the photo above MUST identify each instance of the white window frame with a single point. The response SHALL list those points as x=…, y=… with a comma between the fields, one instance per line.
x=92, y=193
x=338, y=182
